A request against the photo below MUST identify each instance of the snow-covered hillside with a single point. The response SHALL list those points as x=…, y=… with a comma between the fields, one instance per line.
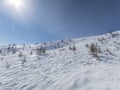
x=62, y=65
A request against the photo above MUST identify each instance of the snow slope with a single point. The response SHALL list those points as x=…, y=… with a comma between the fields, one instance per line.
x=61, y=68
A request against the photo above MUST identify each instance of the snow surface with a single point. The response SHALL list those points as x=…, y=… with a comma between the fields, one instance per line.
x=62, y=69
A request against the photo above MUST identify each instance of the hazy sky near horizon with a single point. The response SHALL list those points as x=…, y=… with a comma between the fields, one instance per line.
x=50, y=20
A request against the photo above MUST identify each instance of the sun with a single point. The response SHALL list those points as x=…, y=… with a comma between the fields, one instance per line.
x=17, y=4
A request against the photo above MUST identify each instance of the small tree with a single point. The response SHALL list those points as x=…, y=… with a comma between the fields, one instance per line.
x=23, y=46
x=23, y=61
x=70, y=48
x=74, y=48
x=1, y=51
x=62, y=41
x=39, y=51
x=31, y=53
x=94, y=49
x=14, y=49
x=44, y=50
x=8, y=49
x=58, y=45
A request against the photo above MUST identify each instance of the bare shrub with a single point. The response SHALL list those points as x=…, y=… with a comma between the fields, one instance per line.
x=72, y=48
x=70, y=40
x=41, y=50
x=23, y=61
x=31, y=52
x=86, y=45
x=113, y=34
x=94, y=49
x=101, y=39
x=20, y=54
x=7, y=65
x=1, y=51
x=13, y=49
x=24, y=46
x=109, y=51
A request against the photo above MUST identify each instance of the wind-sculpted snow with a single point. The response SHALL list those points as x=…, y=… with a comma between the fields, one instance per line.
x=61, y=68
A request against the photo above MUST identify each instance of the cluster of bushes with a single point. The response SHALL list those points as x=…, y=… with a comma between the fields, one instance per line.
x=12, y=48
x=95, y=50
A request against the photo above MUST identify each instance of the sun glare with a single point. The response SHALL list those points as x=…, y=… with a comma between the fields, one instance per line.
x=17, y=4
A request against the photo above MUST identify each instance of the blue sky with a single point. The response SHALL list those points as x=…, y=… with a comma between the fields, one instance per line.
x=50, y=20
